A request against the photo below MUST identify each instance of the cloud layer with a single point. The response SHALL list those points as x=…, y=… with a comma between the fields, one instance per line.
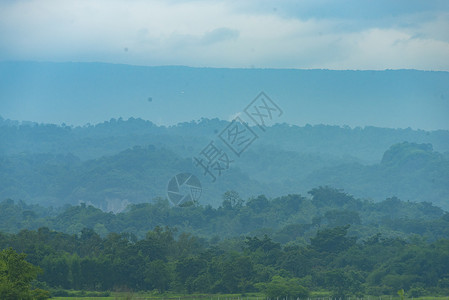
x=349, y=34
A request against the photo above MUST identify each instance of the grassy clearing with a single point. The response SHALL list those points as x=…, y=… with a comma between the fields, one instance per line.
x=151, y=296
x=251, y=296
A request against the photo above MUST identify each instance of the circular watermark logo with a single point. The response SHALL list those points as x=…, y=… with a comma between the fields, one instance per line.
x=183, y=188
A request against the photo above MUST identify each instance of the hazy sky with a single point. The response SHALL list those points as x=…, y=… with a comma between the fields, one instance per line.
x=351, y=34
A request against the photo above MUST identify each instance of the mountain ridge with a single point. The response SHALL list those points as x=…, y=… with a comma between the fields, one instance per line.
x=80, y=93
x=132, y=161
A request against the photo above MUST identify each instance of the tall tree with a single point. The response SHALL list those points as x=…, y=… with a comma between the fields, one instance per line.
x=16, y=275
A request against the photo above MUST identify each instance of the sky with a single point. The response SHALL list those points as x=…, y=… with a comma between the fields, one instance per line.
x=318, y=34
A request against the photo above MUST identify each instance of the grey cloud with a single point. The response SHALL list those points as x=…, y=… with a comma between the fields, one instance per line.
x=219, y=35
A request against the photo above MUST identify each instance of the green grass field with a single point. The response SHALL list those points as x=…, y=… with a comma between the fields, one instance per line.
x=128, y=295
x=252, y=296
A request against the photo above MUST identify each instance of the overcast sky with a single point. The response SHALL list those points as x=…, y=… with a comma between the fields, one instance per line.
x=351, y=34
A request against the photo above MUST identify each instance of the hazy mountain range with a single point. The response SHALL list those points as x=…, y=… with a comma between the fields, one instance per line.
x=119, y=162
x=80, y=93
x=131, y=160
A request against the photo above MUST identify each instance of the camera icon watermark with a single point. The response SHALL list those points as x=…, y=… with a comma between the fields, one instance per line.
x=184, y=188
x=217, y=156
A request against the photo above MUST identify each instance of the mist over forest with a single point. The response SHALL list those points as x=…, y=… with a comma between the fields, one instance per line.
x=120, y=161
x=224, y=150
x=332, y=196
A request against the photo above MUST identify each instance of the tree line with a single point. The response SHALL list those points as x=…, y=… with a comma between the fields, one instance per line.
x=286, y=219
x=285, y=246
x=166, y=260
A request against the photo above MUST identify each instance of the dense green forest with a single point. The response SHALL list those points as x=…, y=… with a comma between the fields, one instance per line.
x=348, y=212
x=288, y=246
x=291, y=218
x=168, y=261
x=119, y=162
x=365, y=144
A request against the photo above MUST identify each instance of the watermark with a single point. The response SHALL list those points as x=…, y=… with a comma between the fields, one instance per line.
x=184, y=188
x=213, y=160
x=217, y=156
x=262, y=111
x=237, y=136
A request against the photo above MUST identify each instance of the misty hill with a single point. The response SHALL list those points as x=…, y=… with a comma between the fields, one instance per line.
x=287, y=218
x=366, y=144
x=132, y=161
x=111, y=182
x=80, y=93
x=410, y=171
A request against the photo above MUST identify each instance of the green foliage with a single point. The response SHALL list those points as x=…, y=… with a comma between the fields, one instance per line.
x=332, y=240
x=401, y=294
x=290, y=218
x=231, y=199
x=16, y=275
x=408, y=153
x=343, y=282
x=39, y=294
x=167, y=261
x=283, y=288
x=261, y=244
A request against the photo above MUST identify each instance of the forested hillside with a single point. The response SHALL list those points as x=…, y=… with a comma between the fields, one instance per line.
x=290, y=218
x=119, y=162
x=332, y=261
x=366, y=144
x=328, y=242
x=224, y=150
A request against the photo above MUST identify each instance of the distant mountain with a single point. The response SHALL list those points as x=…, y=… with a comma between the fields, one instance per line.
x=365, y=145
x=119, y=162
x=80, y=93
x=413, y=172
x=135, y=175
